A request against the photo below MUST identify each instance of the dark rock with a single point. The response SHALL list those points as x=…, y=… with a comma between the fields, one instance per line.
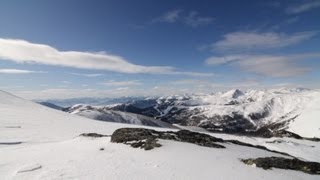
x=233, y=102
x=259, y=115
x=284, y=163
x=13, y=127
x=147, y=144
x=11, y=143
x=124, y=135
x=233, y=124
x=147, y=138
x=94, y=135
x=199, y=139
x=313, y=139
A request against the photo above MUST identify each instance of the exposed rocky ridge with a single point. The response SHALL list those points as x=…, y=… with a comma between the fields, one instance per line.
x=147, y=138
x=284, y=163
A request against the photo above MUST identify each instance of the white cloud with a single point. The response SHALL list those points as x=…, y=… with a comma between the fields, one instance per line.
x=196, y=74
x=169, y=17
x=189, y=81
x=21, y=51
x=255, y=40
x=87, y=75
x=306, y=6
x=121, y=83
x=12, y=87
x=293, y=20
x=268, y=65
x=17, y=71
x=160, y=90
x=25, y=52
x=276, y=66
x=59, y=93
x=122, y=88
x=219, y=60
x=66, y=93
x=194, y=20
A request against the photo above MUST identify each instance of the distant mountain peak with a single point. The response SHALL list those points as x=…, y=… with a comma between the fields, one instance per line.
x=234, y=93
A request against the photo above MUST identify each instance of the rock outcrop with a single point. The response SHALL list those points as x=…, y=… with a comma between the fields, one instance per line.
x=147, y=138
x=284, y=163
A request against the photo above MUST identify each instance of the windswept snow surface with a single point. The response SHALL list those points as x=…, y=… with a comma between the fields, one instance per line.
x=50, y=148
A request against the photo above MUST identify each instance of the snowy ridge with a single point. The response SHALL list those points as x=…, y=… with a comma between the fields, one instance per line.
x=37, y=142
x=239, y=112
x=105, y=114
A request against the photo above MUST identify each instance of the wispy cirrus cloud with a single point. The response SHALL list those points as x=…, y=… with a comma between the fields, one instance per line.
x=293, y=20
x=192, y=18
x=303, y=7
x=26, y=52
x=66, y=93
x=196, y=74
x=87, y=75
x=255, y=40
x=219, y=60
x=22, y=51
x=18, y=71
x=267, y=65
x=122, y=83
x=189, y=81
x=169, y=17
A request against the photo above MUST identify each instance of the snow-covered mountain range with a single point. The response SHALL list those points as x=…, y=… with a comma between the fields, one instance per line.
x=37, y=142
x=91, y=101
x=267, y=113
x=105, y=114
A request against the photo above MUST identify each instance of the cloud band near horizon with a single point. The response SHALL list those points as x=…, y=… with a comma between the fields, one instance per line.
x=21, y=51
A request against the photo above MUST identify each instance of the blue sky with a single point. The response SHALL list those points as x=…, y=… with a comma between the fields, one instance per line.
x=112, y=48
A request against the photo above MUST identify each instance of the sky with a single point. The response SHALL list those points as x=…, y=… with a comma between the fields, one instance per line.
x=113, y=48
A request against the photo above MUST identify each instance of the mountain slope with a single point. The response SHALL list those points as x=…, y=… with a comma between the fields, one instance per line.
x=26, y=121
x=104, y=114
x=263, y=113
x=41, y=143
x=51, y=105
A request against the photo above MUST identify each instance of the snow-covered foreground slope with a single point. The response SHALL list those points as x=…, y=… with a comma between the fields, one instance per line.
x=41, y=143
x=29, y=122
